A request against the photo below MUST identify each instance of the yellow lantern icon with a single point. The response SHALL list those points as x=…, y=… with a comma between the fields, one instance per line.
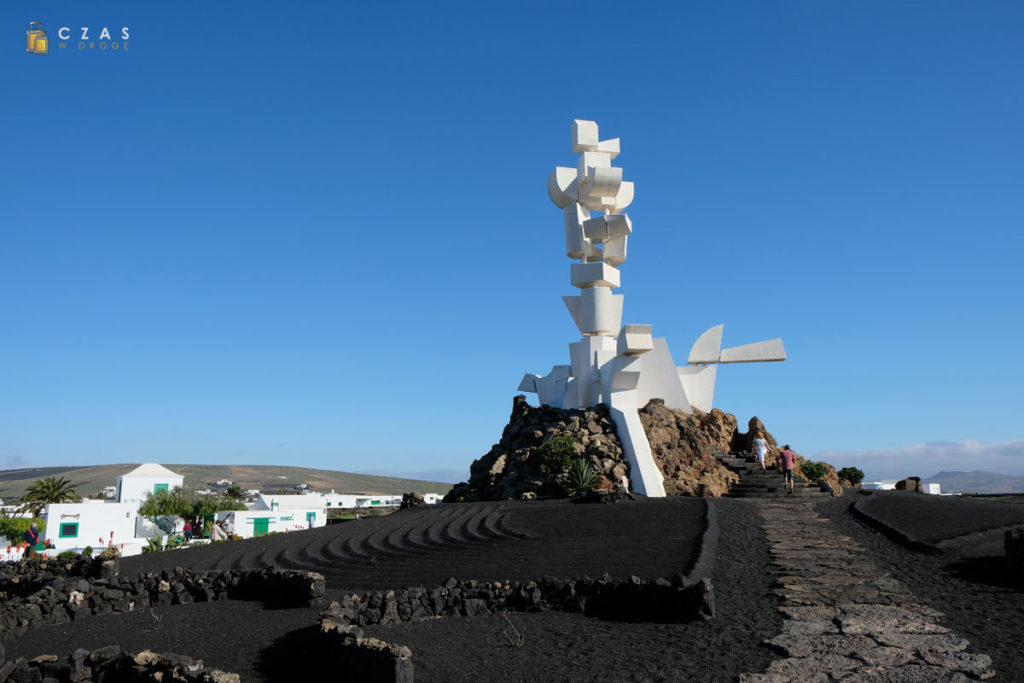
x=36, y=40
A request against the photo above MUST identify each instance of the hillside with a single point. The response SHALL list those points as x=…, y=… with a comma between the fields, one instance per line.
x=978, y=482
x=91, y=480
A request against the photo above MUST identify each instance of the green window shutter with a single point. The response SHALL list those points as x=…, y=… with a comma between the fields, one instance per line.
x=69, y=530
x=159, y=487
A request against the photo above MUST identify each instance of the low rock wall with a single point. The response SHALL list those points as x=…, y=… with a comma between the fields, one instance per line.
x=111, y=664
x=34, y=594
x=659, y=600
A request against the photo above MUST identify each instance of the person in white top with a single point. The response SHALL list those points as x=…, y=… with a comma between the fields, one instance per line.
x=760, y=449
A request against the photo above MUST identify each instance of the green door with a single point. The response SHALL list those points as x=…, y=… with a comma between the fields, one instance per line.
x=260, y=526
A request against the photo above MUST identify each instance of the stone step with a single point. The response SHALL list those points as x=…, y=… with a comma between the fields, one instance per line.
x=798, y=493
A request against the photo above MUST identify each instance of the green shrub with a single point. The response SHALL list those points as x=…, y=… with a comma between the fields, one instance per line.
x=814, y=470
x=580, y=478
x=852, y=475
x=87, y=551
x=13, y=528
x=555, y=456
x=67, y=556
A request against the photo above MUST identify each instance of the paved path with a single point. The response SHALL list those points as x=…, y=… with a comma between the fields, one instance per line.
x=846, y=619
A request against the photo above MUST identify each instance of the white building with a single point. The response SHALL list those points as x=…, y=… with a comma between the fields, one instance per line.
x=362, y=500
x=148, y=478
x=72, y=526
x=102, y=523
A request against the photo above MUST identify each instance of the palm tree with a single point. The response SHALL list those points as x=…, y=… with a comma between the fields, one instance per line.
x=50, y=490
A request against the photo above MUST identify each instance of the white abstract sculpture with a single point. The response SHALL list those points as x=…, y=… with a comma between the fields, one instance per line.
x=622, y=367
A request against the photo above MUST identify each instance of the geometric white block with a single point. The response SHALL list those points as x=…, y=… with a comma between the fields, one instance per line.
x=551, y=388
x=634, y=340
x=623, y=407
x=529, y=383
x=759, y=352
x=575, y=243
x=624, y=197
x=604, y=228
x=599, y=188
x=659, y=379
x=609, y=146
x=707, y=346
x=602, y=311
x=562, y=186
x=599, y=274
x=615, y=251
x=699, y=384
x=584, y=136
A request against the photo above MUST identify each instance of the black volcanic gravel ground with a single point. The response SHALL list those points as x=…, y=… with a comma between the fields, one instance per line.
x=649, y=538
x=570, y=647
x=485, y=541
x=980, y=599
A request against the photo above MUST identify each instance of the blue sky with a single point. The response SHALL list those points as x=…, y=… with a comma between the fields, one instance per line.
x=318, y=233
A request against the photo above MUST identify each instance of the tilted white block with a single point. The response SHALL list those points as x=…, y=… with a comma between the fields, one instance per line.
x=575, y=306
x=602, y=311
x=589, y=162
x=659, y=379
x=707, y=346
x=596, y=229
x=598, y=274
x=758, y=352
x=615, y=251
x=551, y=388
x=634, y=340
x=529, y=383
x=562, y=186
x=699, y=384
x=584, y=136
x=624, y=197
x=603, y=182
x=603, y=228
x=623, y=408
x=609, y=146
x=588, y=356
x=575, y=242
x=594, y=254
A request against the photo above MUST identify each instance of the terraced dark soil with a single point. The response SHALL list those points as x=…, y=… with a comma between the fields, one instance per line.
x=933, y=519
x=485, y=541
x=968, y=581
x=514, y=540
x=523, y=540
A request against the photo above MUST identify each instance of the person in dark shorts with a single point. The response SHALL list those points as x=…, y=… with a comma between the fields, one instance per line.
x=788, y=462
x=188, y=532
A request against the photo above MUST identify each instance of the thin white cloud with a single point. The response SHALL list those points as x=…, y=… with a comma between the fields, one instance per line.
x=926, y=459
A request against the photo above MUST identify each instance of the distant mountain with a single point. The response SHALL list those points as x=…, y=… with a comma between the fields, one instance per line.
x=91, y=480
x=978, y=482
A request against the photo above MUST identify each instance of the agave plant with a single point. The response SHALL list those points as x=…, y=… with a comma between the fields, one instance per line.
x=580, y=478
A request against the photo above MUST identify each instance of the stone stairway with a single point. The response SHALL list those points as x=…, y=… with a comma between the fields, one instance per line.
x=755, y=483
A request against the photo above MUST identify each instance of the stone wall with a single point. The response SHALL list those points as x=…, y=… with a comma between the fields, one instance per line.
x=111, y=664
x=38, y=592
x=659, y=600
